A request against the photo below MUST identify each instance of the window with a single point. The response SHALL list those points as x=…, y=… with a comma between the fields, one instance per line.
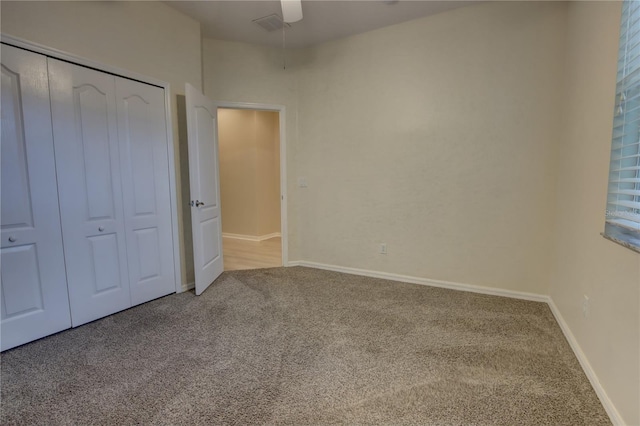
x=623, y=200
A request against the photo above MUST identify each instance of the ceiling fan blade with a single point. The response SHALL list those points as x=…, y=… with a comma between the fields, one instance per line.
x=291, y=10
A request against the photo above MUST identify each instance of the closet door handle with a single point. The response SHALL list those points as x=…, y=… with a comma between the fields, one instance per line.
x=100, y=228
x=12, y=239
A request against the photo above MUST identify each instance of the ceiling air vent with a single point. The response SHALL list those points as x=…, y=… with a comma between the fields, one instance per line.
x=271, y=23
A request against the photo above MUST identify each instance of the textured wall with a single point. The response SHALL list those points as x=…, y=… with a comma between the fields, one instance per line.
x=439, y=137
x=267, y=128
x=586, y=263
x=249, y=171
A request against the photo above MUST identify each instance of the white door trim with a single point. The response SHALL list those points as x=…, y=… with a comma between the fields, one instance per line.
x=283, y=162
x=59, y=54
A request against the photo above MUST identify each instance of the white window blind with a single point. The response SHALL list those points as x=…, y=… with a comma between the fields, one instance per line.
x=623, y=201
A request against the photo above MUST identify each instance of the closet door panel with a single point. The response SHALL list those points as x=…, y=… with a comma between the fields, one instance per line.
x=34, y=299
x=145, y=175
x=90, y=189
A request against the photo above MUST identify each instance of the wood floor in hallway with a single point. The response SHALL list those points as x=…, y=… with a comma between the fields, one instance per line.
x=243, y=254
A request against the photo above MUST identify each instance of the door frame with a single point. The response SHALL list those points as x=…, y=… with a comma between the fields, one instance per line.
x=282, y=117
x=78, y=60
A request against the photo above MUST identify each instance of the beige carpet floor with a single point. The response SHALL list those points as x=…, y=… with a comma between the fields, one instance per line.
x=301, y=346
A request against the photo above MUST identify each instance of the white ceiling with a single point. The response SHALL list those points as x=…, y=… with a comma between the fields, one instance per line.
x=323, y=20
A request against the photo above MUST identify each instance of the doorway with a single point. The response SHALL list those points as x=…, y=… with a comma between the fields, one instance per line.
x=249, y=150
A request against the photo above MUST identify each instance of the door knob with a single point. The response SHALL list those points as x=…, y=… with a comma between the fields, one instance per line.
x=100, y=228
x=12, y=239
x=199, y=203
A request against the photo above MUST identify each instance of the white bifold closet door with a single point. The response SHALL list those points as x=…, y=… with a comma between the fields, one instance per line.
x=112, y=167
x=144, y=163
x=83, y=104
x=34, y=286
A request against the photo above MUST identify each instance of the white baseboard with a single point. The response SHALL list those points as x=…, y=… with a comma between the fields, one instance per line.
x=424, y=281
x=611, y=410
x=608, y=405
x=250, y=237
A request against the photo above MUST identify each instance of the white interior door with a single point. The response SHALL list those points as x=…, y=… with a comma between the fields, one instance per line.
x=205, y=188
x=143, y=147
x=34, y=286
x=83, y=106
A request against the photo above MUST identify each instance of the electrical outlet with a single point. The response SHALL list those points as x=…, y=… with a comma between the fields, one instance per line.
x=383, y=248
x=586, y=306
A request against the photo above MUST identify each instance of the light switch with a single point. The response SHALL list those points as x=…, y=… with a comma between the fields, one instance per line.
x=302, y=182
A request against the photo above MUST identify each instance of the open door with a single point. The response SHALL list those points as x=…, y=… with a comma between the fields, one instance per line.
x=205, y=188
